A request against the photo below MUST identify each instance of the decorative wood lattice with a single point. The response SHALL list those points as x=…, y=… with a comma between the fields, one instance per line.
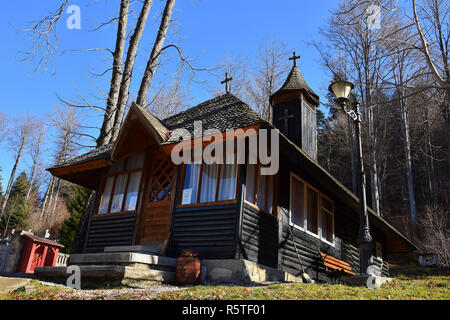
x=161, y=180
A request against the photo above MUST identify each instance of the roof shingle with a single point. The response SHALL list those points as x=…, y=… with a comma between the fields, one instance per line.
x=295, y=81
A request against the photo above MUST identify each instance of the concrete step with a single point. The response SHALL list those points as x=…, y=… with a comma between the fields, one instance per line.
x=243, y=272
x=132, y=259
x=101, y=275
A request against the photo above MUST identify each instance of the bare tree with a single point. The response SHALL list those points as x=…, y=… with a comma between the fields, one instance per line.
x=169, y=99
x=267, y=75
x=44, y=39
x=113, y=96
x=156, y=51
x=436, y=234
x=127, y=73
x=403, y=70
x=17, y=142
x=3, y=126
x=35, y=149
x=354, y=50
x=435, y=37
x=68, y=143
x=431, y=19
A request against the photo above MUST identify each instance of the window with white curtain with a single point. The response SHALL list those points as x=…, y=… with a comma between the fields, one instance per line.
x=209, y=183
x=119, y=190
x=259, y=189
x=133, y=191
x=122, y=185
x=227, y=186
x=106, y=196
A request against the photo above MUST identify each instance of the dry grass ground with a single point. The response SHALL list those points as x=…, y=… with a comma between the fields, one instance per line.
x=409, y=284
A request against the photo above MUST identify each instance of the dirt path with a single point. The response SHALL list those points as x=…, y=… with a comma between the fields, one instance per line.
x=116, y=294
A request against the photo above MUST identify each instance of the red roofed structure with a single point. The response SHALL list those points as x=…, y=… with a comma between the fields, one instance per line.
x=38, y=252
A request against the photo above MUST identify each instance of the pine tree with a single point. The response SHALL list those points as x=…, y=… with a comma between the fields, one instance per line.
x=17, y=209
x=76, y=207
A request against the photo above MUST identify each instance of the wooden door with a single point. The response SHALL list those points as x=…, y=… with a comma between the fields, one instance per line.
x=157, y=210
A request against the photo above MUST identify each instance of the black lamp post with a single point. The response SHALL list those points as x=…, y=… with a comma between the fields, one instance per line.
x=342, y=89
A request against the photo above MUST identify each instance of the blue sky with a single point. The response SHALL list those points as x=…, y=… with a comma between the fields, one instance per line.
x=207, y=29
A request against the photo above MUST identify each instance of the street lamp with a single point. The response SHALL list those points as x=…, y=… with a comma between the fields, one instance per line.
x=342, y=90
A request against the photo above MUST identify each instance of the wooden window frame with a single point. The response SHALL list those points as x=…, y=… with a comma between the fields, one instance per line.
x=274, y=212
x=105, y=177
x=332, y=219
x=199, y=186
x=307, y=185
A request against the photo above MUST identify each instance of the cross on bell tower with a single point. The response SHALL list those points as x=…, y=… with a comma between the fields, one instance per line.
x=226, y=81
x=285, y=118
x=294, y=58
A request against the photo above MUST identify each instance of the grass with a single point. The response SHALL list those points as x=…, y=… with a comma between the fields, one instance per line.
x=409, y=284
x=38, y=292
x=412, y=283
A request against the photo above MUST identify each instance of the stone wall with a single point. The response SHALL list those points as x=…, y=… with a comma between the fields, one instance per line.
x=12, y=252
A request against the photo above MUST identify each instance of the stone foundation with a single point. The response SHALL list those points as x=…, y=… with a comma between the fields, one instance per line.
x=120, y=268
x=242, y=272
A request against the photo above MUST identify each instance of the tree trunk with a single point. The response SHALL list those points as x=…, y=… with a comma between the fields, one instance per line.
x=432, y=183
x=128, y=70
x=352, y=154
x=156, y=51
x=55, y=202
x=36, y=151
x=23, y=139
x=111, y=104
x=407, y=150
x=48, y=196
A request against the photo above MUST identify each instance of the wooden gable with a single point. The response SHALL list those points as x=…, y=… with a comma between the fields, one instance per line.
x=140, y=131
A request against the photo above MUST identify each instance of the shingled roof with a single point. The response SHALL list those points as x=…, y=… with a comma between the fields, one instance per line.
x=295, y=81
x=223, y=113
x=102, y=152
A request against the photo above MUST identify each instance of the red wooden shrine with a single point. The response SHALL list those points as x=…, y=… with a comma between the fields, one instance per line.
x=38, y=252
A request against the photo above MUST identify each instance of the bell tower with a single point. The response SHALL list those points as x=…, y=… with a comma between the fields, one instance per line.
x=294, y=111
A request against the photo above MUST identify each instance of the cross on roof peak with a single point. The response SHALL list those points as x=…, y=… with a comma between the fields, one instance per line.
x=294, y=58
x=226, y=81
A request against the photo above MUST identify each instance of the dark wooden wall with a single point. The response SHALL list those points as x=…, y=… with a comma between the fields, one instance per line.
x=208, y=230
x=110, y=231
x=259, y=236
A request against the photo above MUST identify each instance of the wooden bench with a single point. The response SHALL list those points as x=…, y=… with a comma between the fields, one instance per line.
x=336, y=267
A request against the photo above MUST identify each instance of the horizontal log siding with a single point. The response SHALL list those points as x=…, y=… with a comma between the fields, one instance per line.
x=110, y=231
x=350, y=254
x=259, y=237
x=209, y=230
x=309, y=248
